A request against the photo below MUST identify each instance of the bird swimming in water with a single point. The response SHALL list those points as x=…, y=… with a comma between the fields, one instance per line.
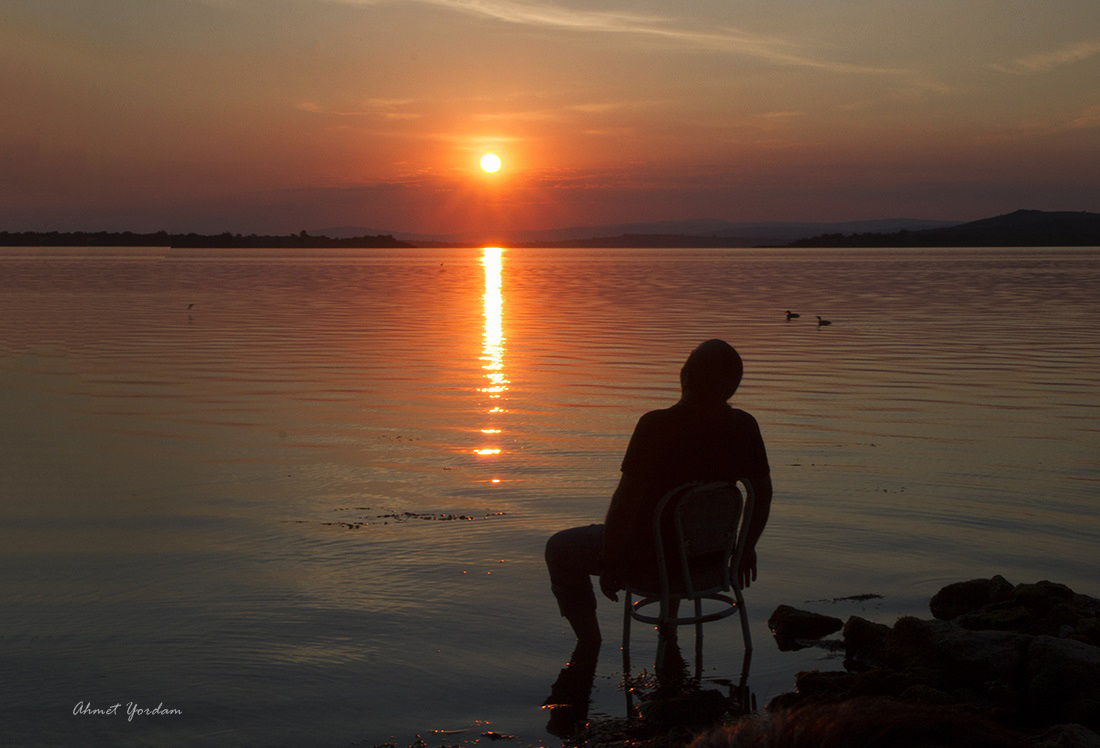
x=791, y=315
x=823, y=322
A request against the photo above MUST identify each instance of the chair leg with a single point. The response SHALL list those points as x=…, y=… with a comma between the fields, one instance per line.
x=698, y=638
x=661, y=640
x=663, y=626
x=628, y=602
x=627, y=690
x=744, y=618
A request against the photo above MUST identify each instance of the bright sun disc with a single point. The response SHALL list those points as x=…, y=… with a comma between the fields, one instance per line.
x=490, y=162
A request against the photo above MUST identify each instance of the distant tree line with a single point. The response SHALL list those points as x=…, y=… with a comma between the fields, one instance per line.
x=214, y=241
x=1022, y=228
x=1032, y=228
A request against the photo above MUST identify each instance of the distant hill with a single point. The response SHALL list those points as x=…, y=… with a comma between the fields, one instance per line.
x=720, y=233
x=1022, y=228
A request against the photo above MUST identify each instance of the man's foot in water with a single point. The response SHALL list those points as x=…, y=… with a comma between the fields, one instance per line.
x=587, y=629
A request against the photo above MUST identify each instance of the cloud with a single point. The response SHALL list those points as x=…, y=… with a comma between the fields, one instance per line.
x=1044, y=62
x=780, y=116
x=1045, y=129
x=1087, y=120
x=386, y=108
x=562, y=112
x=725, y=40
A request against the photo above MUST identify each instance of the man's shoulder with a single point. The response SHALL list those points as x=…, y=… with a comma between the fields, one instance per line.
x=742, y=415
x=658, y=414
x=682, y=413
x=722, y=412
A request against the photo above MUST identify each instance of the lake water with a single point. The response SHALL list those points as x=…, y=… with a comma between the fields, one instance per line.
x=303, y=499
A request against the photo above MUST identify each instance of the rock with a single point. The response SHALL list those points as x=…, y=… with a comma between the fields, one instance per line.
x=1025, y=657
x=864, y=640
x=1004, y=617
x=685, y=708
x=1063, y=681
x=1089, y=606
x=964, y=597
x=960, y=658
x=791, y=624
x=927, y=695
x=937, y=662
x=882, y=682
x=1041, y=595
x=815, y=683
x=1039, y=608
x=879, y=722
x=1087, y=630
x=1066, y=736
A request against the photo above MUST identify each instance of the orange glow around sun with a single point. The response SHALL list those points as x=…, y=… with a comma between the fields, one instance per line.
x=490, y=163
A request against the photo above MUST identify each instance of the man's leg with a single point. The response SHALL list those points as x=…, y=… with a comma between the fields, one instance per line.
x=573, y=558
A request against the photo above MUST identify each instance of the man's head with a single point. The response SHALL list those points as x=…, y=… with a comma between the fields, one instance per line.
x=712, y=371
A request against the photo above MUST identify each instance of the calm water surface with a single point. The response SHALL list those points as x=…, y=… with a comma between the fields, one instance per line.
x=303, y=500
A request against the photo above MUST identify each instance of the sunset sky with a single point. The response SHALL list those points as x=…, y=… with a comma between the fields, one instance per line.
x=274, y=116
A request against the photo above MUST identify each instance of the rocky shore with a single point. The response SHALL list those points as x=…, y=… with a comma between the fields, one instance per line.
x=1023, y=657
x=999, y=665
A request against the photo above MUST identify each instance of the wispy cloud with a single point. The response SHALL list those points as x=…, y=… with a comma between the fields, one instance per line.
x=1046, y=61
x=385, y=108
x=1086, y=120
x=1037, y=128
x=780, y=116
x=649, y=26
x=565, y=111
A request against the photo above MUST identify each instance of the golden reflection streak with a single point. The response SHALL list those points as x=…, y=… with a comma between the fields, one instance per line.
x=492, y=352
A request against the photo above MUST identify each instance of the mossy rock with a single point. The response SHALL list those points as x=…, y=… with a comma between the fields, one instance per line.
x=997, y=618
x=1041, y=595
x=960, y=598
x=1087, y=630
x=927, y=695
x=815, y=683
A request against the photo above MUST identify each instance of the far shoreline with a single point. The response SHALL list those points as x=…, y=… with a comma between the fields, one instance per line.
x=164, y=240
x=1021, y=228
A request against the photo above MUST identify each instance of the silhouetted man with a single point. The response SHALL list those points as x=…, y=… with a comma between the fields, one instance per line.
x=700, y=438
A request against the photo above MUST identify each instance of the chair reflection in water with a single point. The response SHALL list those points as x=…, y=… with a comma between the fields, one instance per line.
x=700, y=532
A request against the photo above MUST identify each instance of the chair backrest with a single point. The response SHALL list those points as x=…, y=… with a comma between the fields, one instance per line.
x=699, y=530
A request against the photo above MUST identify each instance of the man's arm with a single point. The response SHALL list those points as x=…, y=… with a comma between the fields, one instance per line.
x=618, y=528
x=762, y=505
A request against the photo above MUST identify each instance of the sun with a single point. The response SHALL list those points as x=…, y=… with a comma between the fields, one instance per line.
x=490, y=163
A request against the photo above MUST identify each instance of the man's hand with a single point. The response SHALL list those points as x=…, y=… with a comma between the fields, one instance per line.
x=610, y=586
x=746, y=573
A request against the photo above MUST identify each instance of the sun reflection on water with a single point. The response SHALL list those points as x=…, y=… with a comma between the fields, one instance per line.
x=492, y=352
